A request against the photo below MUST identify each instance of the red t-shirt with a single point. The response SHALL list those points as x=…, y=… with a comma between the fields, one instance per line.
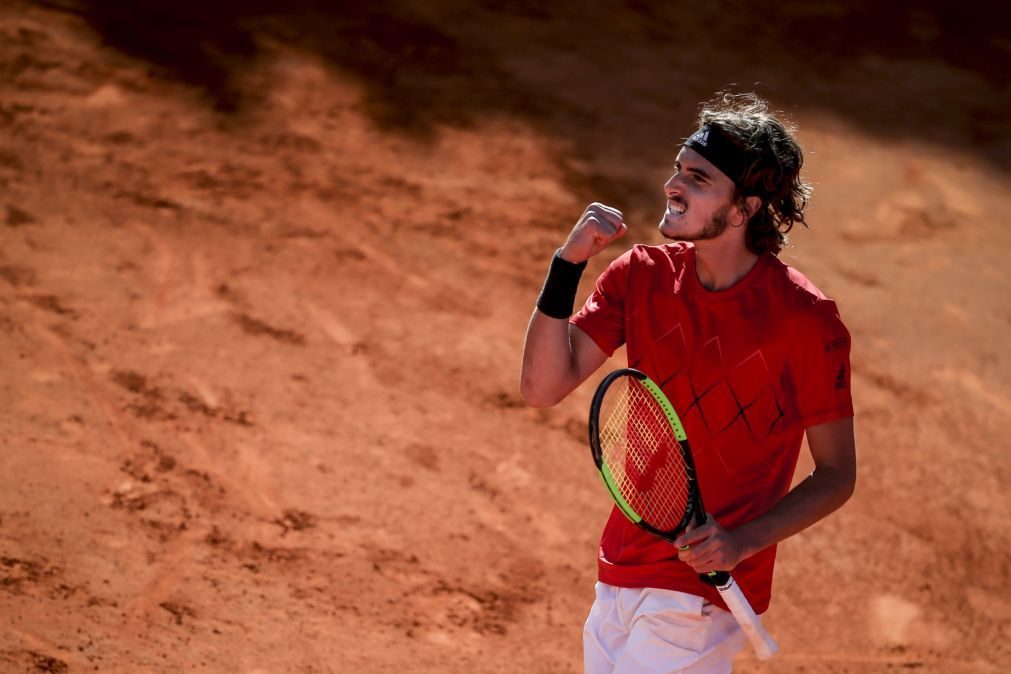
x=747, y=370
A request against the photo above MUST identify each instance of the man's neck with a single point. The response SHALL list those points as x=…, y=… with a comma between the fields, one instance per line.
x=722, y=262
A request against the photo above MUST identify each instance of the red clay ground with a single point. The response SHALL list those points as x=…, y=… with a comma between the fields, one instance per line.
x=264, y=278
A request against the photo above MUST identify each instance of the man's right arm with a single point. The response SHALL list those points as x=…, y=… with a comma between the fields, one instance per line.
x=557, y=356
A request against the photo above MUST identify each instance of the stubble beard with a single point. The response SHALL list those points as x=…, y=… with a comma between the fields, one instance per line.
x=712, y=229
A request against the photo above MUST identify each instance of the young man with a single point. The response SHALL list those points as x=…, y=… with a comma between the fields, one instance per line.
x=750, y=353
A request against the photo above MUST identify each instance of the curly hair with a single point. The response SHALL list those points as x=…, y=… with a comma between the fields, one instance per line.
x=773, y=173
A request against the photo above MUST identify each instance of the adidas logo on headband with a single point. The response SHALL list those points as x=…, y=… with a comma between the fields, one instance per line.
x=714, y=144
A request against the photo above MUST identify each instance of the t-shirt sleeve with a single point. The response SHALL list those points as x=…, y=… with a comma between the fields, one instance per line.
x=819, y=366
x=603, y=314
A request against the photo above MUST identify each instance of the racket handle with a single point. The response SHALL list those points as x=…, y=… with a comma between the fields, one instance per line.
x=765, y=646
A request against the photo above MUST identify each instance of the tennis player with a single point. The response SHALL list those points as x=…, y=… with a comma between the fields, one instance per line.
x=751, y=354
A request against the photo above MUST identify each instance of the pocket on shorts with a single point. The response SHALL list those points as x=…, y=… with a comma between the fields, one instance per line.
x=675, y=618
x=672, y=600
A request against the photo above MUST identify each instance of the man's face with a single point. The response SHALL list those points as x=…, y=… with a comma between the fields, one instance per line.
x=699, y=199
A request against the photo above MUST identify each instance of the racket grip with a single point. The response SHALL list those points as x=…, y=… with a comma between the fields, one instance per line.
x=764, y=645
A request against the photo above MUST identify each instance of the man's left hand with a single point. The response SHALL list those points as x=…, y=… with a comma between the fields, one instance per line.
x=709, y=547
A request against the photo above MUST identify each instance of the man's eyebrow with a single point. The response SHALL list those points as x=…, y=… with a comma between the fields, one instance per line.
x=691, y=169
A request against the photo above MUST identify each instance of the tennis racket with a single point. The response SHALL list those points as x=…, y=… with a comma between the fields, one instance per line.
x=641, y=451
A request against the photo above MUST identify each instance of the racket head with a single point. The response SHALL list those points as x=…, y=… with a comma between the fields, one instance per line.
x=641, y=450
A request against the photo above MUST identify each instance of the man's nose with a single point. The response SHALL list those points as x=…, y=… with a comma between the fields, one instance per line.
x=670, y=187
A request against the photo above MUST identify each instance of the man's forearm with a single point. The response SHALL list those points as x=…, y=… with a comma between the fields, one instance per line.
x=548, y=370
x=817, y=496
x=555, y=362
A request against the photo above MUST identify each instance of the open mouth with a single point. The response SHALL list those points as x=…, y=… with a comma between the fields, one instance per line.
x=675, y=209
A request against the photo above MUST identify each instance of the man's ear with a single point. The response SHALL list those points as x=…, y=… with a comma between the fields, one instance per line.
x=750, y=206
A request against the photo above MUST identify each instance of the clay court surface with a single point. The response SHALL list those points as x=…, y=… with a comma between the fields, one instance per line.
x=265, y=271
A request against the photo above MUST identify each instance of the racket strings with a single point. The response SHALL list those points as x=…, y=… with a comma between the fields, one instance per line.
x=643, y=455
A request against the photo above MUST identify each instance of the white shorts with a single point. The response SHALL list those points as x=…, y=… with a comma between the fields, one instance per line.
x=650, y=631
